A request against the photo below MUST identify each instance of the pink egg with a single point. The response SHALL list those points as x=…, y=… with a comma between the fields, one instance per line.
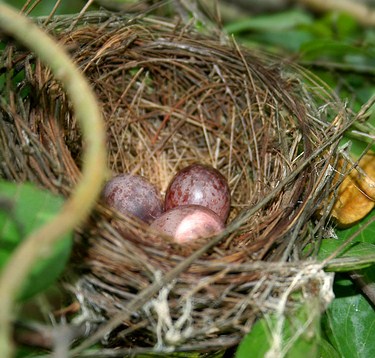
x=133, y=195
x=189, y=222
x=199, y=185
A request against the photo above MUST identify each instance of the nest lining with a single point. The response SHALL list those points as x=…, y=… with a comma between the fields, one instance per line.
x=172, y=97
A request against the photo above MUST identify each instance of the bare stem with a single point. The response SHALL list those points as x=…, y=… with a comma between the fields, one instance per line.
x=361, y=12
x=363, y=283
x=78, y=206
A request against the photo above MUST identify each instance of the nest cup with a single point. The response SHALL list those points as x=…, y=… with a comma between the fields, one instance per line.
x=172, y=96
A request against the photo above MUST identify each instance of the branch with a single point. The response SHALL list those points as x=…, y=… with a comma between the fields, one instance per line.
x=363, y=283
x=362, y=13
x=78, y=206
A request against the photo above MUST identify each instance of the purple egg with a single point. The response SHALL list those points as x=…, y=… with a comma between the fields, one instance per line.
x=199, y=185
x=133, y=195
x=188, y=223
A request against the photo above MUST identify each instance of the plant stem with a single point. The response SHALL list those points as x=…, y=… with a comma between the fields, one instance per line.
x=78, y=206
x=361, y=12
x=367, y=287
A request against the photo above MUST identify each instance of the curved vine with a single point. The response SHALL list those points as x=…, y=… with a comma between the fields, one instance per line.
x=84, y=196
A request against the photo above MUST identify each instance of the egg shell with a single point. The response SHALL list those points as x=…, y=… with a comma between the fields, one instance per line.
x=188, y=223
x=133, y=195
x=199, y=185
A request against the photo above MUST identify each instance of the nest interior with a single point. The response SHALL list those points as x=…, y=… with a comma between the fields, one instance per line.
x=170, y=97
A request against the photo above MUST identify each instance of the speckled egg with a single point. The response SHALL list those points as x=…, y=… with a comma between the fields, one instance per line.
x=199, y=185
x=188, y=223
x=133, y=195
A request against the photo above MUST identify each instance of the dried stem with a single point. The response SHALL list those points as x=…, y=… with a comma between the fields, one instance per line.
x=79, y=205
x=362, y=13
x=363, y=283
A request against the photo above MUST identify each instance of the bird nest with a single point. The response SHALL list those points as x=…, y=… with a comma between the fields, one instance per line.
x=172, y=96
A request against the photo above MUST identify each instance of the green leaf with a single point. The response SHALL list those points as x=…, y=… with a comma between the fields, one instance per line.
x=327, y=350
x=257, y=343
x=350, y=322
x=287, y=39
x=24, y=208
x=357, y=147
x=334, y=50
x=275, y=22
x=334, y=26
x=367, y=235
x=300, y=334
x=345, y=25
x=356, y=256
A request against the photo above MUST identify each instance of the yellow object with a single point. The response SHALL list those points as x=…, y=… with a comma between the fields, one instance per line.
x=356, y=194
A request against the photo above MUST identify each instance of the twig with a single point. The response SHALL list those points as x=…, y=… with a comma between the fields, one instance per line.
x=85, y=194
x=362, y=13
x=84, y=9
x=368, y=288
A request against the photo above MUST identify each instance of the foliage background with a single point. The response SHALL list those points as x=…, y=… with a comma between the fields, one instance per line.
x=339, y=50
